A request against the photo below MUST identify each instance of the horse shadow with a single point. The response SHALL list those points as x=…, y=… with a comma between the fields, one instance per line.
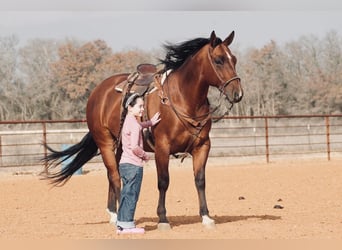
x=194, y=219
x=180, y=220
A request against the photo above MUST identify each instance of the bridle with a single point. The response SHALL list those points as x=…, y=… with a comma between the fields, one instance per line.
x=224, y=84
x=198, y=122
x=205, y=116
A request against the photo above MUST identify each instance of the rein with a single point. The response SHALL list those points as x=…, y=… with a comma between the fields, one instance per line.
x=198, y=122
x=221, y=89
x=193, y=121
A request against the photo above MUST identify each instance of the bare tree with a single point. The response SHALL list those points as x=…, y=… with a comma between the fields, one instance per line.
x=81, y=67
x=47, y=79
x=78, y=67
x=9, y=84
x=265, y=85
x=41, y=94
x=332, y=65
x=314, y=68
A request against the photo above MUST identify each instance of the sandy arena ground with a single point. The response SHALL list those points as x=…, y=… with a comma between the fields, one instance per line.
x=310, y=192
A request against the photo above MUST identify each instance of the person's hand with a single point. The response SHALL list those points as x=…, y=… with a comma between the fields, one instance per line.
x=155, y=119
x=145, y=157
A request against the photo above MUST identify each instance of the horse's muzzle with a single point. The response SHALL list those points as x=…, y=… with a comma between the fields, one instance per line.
x=233, y=90
x=237, y=96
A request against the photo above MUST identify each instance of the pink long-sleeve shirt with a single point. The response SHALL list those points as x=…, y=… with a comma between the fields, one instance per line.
x=132, y=141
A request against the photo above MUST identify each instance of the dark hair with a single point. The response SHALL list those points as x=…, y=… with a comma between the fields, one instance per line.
x=131, y=100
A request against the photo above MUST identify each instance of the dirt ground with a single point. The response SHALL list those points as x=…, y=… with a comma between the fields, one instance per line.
x=241, y=198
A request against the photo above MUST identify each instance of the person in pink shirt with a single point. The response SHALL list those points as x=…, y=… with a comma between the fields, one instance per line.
x=131, y=163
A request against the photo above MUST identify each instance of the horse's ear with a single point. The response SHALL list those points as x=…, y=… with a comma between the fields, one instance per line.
x=229, y=39
x=212, y=39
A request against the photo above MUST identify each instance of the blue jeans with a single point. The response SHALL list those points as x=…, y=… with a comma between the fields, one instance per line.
x=131, y=176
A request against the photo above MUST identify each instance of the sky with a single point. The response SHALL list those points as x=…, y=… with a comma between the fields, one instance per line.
x=147, y=24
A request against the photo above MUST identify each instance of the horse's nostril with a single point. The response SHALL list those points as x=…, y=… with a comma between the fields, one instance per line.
x=237, y=96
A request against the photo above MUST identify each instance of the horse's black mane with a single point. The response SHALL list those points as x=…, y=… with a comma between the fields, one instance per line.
x=176, y=54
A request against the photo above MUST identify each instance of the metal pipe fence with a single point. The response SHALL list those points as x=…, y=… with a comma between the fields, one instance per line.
x=279, y=136
x=233, y=136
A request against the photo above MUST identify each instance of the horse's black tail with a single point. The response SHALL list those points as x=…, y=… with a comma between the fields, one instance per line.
x=84, y=151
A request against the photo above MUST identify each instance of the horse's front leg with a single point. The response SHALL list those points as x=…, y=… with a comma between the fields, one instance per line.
x=162, y=162
x=200, y=156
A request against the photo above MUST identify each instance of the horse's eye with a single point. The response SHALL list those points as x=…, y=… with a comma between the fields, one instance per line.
x=218, y=60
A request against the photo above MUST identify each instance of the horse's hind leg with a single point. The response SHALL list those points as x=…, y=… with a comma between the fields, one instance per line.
x=113, y=175
x=111, y=205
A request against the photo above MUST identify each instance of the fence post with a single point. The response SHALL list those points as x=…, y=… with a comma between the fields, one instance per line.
x=327, y=125
x=44, y=143
x=266, y=141
x=0, y=152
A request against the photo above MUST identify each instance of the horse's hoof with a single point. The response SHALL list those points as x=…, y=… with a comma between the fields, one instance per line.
x=211, y=225
x=164, y=226
x=208, y=222
x=113, y=217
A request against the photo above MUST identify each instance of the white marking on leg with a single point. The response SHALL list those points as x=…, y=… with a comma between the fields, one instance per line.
x=113, y=217
x=208, y=222
x=164, y=226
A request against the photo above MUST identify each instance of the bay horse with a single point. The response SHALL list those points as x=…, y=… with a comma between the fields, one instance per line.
x=189, y=69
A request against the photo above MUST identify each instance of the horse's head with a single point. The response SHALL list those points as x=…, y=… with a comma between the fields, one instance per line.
x=223, y=62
